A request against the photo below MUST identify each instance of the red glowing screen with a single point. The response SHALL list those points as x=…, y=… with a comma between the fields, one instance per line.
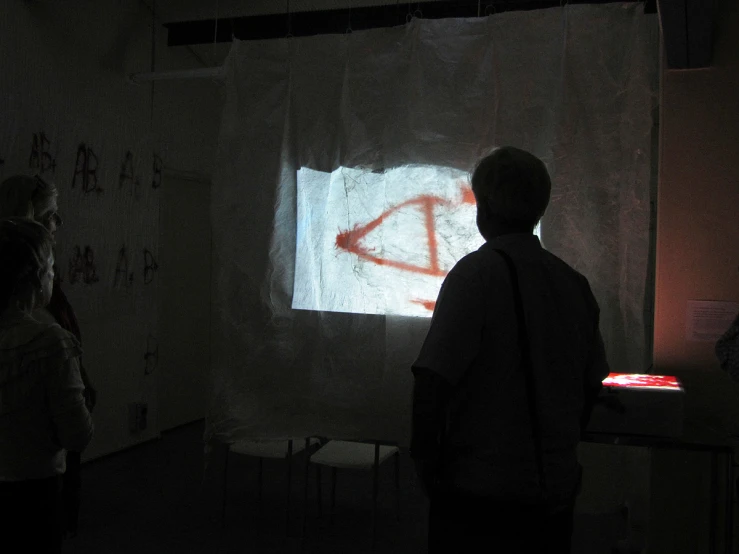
x=641, y=381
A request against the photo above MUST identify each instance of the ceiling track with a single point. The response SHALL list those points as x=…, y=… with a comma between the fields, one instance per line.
x=339, y=21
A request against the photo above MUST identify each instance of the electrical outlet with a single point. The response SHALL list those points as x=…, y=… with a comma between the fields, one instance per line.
x=137, y=416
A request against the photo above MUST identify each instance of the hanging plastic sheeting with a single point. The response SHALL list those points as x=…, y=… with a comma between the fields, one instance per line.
x=341, y=199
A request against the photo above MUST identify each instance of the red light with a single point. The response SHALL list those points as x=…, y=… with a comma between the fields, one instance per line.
x=641, y=381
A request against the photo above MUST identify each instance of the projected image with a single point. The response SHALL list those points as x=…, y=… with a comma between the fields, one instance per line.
x=641, y=381
x=380, y=242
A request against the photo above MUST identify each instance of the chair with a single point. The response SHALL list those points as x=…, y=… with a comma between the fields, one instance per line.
x=268, y=449
x=339, y=454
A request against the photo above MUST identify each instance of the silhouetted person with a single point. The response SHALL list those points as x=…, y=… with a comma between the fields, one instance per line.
x=42, y=407
x=496, y=450
x=36, y=199
x=727, y=350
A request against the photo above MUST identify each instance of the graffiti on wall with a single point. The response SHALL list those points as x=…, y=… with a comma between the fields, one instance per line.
x=41, y=159
x=151, y=356
x=127, y=178
x=82, y=267
x=86, y=170
x=150, y=266
x=122, y=275
x=156, y=172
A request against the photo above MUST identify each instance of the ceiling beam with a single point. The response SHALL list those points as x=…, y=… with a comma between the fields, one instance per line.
x=338, y=21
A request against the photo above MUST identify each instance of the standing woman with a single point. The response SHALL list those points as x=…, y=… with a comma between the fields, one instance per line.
x=42, y=408
x=36, y=199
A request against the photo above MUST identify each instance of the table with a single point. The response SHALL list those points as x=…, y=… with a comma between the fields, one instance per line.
x=692, y=441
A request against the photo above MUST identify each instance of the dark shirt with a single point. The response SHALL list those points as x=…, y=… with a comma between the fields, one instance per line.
x=472, y=349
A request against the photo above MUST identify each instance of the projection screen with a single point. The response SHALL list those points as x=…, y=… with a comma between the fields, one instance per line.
x=341, y=198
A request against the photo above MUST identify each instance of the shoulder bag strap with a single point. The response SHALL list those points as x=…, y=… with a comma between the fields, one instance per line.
x=528, y=368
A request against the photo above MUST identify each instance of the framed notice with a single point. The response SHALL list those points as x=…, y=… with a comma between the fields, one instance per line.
x=708, y=320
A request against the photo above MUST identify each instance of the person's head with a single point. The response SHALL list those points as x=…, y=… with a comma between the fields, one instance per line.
x=512, y=189
x=32, y=198
x=27, y=261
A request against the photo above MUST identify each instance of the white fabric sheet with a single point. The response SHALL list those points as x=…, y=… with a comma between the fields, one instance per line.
x=310, y=335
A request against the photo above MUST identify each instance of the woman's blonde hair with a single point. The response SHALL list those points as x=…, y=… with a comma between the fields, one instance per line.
x=26, y=196
x=25, y=246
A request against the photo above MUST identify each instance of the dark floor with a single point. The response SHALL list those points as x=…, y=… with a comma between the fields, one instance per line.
x=153, y=499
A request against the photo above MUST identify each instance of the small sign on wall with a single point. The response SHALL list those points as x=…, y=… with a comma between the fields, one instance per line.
x=708, y=320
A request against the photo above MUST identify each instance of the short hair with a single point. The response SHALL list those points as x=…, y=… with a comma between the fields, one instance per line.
x=25, y=246
x=514, y=185
x=26, y=196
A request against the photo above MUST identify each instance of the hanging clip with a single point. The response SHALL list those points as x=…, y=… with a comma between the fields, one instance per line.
x=289, y=33
x=418, y=14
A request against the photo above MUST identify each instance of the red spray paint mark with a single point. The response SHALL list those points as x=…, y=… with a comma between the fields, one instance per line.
x=428, y=304
x=351, y=240
x=468, y=197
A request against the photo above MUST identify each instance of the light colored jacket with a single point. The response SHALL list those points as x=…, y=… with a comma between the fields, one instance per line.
x=42, y=408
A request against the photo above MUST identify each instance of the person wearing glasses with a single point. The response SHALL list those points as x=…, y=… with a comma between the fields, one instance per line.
x=36, y=199
x=42, y=407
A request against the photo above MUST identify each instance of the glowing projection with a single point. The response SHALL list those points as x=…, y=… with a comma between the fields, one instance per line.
x=380, y=242
x=641, y=381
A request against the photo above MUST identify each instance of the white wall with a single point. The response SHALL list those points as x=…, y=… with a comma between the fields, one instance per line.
x=697, y=259
x=185, y=316
x=63, y=68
